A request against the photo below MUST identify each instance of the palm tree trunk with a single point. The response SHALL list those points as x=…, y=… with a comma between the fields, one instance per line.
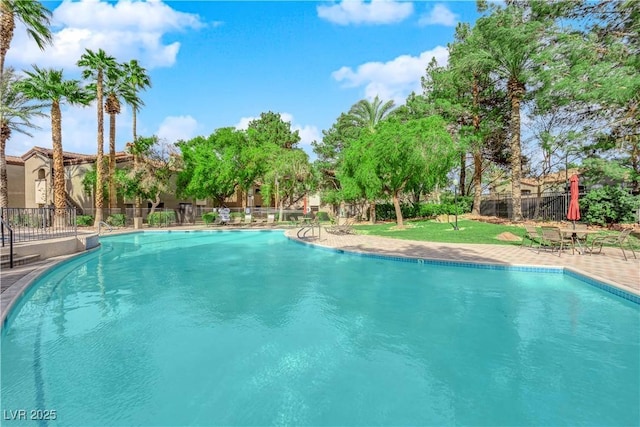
x=516, y=91
x=59, y=193
x=4, y=191
x=7, y=25
x=113, y=200
x=462, y=182
x=99, y=202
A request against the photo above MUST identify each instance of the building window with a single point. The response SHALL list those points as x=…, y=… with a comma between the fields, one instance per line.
x=41, y=173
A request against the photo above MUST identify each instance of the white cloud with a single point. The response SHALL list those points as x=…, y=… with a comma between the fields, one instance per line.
x=358, y=12
x=394, y=79
x=126, y=30
x=175, y=128
x=439, y=15
x=79, y=132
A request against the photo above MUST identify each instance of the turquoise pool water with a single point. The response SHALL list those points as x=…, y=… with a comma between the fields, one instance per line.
x=249, y=328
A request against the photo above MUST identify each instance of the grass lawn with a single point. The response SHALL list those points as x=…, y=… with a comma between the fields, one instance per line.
x=469, y=231
x=431, y=231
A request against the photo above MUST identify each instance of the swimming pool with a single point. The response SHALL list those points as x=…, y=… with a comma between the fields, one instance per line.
x=250, y=328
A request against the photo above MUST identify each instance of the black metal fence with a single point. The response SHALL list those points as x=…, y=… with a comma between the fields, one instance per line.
x=37, y=223
x=549, y=207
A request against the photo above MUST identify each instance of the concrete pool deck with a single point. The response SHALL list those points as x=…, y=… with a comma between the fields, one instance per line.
x=608, y=267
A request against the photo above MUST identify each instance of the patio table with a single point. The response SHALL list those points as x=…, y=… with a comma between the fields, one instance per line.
x=573, y=233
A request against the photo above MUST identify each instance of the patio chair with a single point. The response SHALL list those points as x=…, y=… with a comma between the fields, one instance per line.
x=618, y=240
x=346, y=228
x=581, y=238
x=271, y=220
x=552, y=237
x=532, y=234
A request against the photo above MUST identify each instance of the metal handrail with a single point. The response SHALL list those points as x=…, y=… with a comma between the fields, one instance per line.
x=4, y=224
x=101, y=223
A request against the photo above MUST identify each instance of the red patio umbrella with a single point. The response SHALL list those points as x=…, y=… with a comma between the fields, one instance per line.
x=573, y=214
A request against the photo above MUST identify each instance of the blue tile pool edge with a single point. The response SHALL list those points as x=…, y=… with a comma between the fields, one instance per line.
x=609, y=287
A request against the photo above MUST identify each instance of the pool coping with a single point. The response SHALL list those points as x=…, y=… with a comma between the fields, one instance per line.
x=15, y=292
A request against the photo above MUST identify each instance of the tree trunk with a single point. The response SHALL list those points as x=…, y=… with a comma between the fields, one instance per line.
x=113, y=199
x=4, y=184
x=516, y=91
x=154, y=203
x=463, y=173
x=7, y=25
x=99, y=199
x=396, y=204
x=372, y=213
x=59, y=191
x=477, y=179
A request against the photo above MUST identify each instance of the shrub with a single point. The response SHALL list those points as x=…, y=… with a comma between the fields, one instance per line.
x=117, y=220
x=609, y=205
x=161, y=218
x=322, y=216
x=209, y=217
x=84, y=220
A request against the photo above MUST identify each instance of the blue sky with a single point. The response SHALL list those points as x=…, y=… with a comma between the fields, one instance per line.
x=216, y=64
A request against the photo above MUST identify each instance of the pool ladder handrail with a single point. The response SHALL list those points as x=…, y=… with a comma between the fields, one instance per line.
x=302, y=232
x=102, y=223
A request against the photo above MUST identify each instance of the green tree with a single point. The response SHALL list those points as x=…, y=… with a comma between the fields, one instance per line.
x=366, y=114
x=269, y=128
x=49, y=86
x=210, y=167
x=509, y=41
x=94, y=65
x=17, y=112
x=153, y=174
x=385, y=161
x=33, y=14
x=138, y=78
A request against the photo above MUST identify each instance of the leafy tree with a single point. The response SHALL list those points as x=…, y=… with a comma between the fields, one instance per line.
x=35, y=17
x=211, y=165
x=16, y=114
x=329, y=151
x=383, y=162
x=269, y=128
x=152, y=176
x=95, y=65
x=49, y=86
x=609, y=205
x=366, y=114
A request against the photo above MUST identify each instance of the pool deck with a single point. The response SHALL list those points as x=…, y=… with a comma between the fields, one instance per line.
x=608, y=267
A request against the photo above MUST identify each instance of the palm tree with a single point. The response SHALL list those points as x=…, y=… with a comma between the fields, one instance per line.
x=49, y=86
x=16, y=113
x=139, y=80
x=509, y=42
x=366, y=115
x=34, y=16
x=95, y=65
x=116, y=87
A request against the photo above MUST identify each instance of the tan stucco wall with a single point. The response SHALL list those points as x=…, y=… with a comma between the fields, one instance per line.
x=31, y=167
x=74, y=174
x=15, y=183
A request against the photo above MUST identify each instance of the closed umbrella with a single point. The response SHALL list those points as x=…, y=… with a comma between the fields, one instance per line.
x=573, y=214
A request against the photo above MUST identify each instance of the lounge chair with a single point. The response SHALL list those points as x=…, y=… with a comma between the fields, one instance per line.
x=271, y=220
x=532, y=234
x=618, y=240
x=552, y=237
x=346, y=228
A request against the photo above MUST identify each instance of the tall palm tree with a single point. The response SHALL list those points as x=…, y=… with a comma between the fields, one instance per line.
x=34, y=16
x=509, y=43
x=95, y=65
x=366, y=115
x=16, y=114
x=139, y=80
x=49, y=86
x=116, y=87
